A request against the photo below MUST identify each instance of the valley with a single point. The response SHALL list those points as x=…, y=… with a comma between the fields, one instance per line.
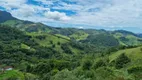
x=40, y=52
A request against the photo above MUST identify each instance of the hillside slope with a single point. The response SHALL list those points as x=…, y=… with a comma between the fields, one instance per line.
x=40, y=52
x=4, y=16
x=100, y=38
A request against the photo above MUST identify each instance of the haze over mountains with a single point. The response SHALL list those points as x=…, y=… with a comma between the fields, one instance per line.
x=38, y=51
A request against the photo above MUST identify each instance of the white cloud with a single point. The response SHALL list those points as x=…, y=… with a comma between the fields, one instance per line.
x=112, y=13
x=105, y=13
x=57, y=16
x=9, y=4
x=24, y=11
x=29, y=12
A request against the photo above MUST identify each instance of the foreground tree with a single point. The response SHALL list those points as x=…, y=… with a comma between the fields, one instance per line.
x=121, y=61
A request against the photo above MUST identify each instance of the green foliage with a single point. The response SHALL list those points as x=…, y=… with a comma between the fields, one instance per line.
x=121, y=61
x=66, y=49
x=99, y=64
x=59, y=43
x=42, y=68
x=102, y=40
x=40, y=52
x=87, y=64
x=135, y=69
x=12, y=75
x=41, y=37
x=67, y=75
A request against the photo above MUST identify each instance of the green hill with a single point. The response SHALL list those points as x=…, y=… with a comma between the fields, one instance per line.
x=127, y=38
x=132, y=53
x=40, y=52
x=28, y=26
x=87, y=36
x=21, y=49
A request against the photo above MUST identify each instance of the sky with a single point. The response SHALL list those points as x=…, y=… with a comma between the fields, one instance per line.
x=92, y=14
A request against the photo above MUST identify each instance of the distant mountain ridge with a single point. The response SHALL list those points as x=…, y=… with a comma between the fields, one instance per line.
x=87, y=36
x=140, y=35
x=4, y=16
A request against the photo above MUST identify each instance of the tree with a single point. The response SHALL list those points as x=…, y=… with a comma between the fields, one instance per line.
x=65, y=75
x=53, y=46
x=87, y=64
x=66, y=48
x=121, y=61
x=59, y=43
x=51, y=42
x=99, y=63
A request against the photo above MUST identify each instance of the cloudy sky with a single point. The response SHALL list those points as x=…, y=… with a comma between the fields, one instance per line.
x=97, y=14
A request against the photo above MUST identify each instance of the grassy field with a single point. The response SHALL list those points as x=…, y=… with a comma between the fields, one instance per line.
x=130, y=39
x=51, y=40
x=12, y=74
x=133, y=53
x=79, y=35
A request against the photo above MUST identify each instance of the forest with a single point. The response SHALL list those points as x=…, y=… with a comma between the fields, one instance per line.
x=39, y=52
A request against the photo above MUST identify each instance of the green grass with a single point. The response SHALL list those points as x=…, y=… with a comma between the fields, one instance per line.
x=50, y=38
x=55, y=39
x=24, y=46
x=13, y=74
x=117, y=36
x=79, y=35
x=133, y=40
x=11, y=22
x=35, y=27
x=62, y=36
x=133, y=53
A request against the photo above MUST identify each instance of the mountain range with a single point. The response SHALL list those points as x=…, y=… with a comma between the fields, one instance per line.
x=40, y=52
x=83, y=35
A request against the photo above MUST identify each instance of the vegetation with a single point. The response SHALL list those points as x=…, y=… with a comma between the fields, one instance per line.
x=39, y=52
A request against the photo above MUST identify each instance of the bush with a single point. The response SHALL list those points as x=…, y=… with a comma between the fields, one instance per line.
x=135, y=69
x=58, y=43
x=99, y=63
x=87, y=64
x=66, y=48
x=121, y=61
x=53, y=46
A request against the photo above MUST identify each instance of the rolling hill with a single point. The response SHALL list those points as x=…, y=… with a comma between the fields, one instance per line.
x=87, y=36
x=40, y=52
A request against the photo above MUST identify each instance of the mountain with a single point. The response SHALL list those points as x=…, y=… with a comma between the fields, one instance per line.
x=139, y=35
x=40, y=52
x=101, y=37
x=87, y=36
x=7, y=19
x=4, y=16
x=21, y=49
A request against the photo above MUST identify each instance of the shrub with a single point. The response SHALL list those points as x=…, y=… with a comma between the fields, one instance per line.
x=87, y=64
x=121, y=61
x=99, y=63
x=135, y=69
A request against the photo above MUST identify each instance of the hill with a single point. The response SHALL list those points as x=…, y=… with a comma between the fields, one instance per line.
x=23, y=50
x=40, y=52
x=87, y=36
x=4, y=16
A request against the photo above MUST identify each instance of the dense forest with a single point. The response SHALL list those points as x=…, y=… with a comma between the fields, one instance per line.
x=39, y=52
